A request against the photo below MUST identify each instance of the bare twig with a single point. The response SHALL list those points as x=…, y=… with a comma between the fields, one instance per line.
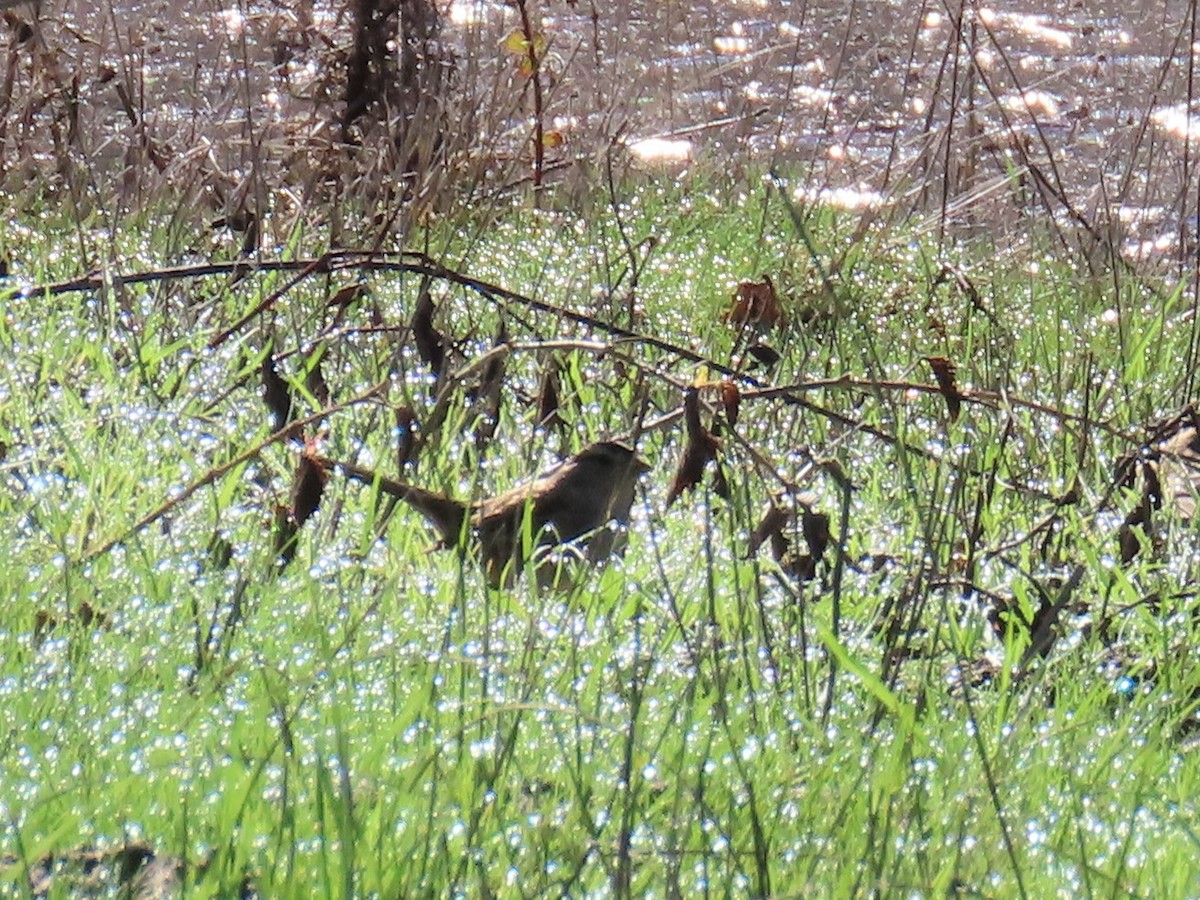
x=220, y=471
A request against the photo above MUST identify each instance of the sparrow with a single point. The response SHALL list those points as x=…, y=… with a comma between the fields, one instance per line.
x=1179, y=471
x=570, y=501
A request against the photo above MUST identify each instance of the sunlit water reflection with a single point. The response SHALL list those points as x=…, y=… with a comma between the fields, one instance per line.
x=894, y=101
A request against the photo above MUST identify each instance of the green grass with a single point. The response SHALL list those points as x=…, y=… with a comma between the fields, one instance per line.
x=373, y=720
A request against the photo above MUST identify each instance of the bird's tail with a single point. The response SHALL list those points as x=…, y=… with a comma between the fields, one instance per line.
x=446, y=514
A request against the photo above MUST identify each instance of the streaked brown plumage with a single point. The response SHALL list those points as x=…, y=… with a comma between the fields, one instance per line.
x=589, y=490
x=1179, y=471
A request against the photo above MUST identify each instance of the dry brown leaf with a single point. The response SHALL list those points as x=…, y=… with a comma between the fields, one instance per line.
x=85, y=614
x=802, y=567
x=347, y=296
x=88, y=615
x=731, y=400
x=720, y=484
x=755, y=303
x=285, y=533
x=774, y=526
x=308, y=485
x=431, y=345
x=945, y=372
x=548, y=415
x=344, y=301
x=700, y=448
x=488, y=393
x=764, y=356
x=44, y=622
x=250, y=238
x=315, y=382
x=770, y=527
x=275, y=394
x=22, y=30
x=815, y=528
x=405, y=436
x=1137, y=522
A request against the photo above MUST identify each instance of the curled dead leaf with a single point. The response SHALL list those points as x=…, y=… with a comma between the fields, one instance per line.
x=1138, y=524
x=731, y=400
x=802, y=566
x=720, y=484
x=699, y=449
x=347, y=296
x=755, y=303
x=406, y=436
x=314, y=381
x=85, y=614
x=89, y=615
x=548, y=415
x=764, y=356
x=308, y=486
x=945, y=373
x=815, y=528
x=774, y=526
x=275, y=392
x=285, y=531
x=431, y=345
x=769, y=527
x=488, y=394
x=250, y=237
x=1128, y=535
x=44, y=622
